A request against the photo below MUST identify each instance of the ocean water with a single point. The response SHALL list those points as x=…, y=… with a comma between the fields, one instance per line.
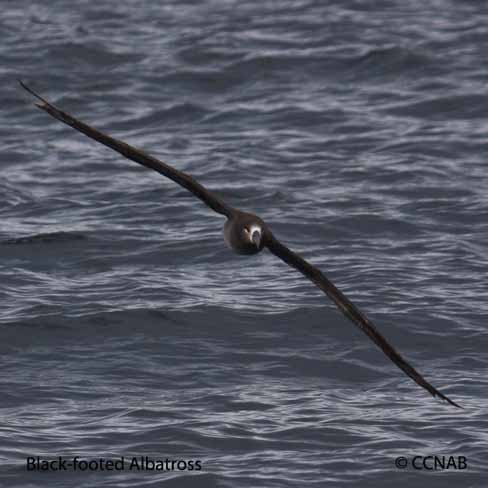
x=359, y=132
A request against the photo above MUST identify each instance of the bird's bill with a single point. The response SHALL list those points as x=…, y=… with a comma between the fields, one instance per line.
x=256, y=238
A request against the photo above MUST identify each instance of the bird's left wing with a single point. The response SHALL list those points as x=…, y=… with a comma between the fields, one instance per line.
x=349, y=310
x=136, y=155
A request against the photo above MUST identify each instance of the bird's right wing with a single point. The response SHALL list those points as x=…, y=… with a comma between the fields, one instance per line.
x=349, y=310
x=136, y=155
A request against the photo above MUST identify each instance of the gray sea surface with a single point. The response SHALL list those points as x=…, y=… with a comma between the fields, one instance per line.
x=358, y=130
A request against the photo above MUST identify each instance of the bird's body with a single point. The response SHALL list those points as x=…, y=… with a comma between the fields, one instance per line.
x=247, y=234
x=242, y=231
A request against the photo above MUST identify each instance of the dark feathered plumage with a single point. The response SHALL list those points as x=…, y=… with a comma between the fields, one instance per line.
x=246, y=233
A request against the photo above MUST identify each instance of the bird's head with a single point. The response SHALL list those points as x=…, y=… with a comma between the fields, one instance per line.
x=245, y=233
x=253, y=234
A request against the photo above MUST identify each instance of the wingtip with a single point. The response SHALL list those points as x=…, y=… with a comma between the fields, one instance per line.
x=448, y=400
x=454, y=404
x=33, y=93
x=25, y=87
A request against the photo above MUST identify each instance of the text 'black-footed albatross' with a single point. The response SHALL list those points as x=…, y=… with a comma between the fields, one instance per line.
x=246, y=233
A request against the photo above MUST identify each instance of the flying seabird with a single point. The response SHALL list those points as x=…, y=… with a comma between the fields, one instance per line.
x=246, y=233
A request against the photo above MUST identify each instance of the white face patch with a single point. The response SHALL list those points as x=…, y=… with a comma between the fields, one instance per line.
x=253, y=229
x=249, y=231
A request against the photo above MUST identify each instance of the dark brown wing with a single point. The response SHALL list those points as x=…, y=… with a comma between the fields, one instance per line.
x=349, y=310
x=136, y=155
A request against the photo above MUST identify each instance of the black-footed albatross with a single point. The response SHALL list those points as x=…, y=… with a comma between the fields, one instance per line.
x=246, y=233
